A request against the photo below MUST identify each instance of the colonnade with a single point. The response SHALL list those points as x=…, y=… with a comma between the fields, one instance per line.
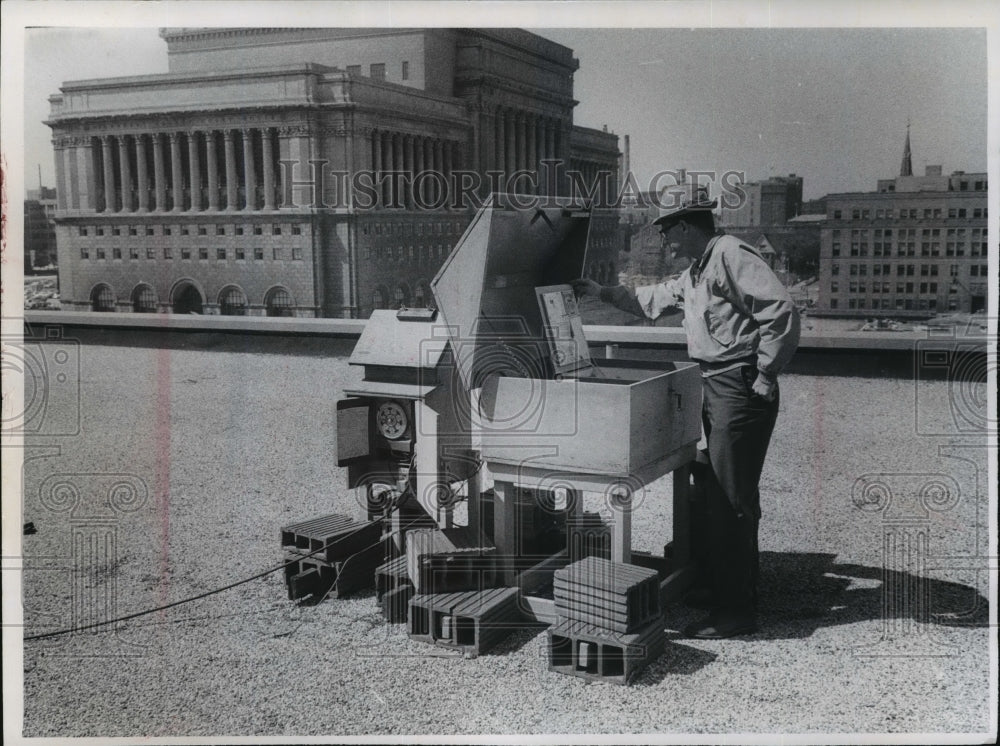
x=413, y=155
x=229, y=169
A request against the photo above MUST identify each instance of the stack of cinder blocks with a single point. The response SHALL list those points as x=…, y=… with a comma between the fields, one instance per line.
x=332, y=555
x=457, y=601
x=609, y=622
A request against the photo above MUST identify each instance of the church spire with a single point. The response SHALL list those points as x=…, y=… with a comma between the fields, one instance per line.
x=906, y=168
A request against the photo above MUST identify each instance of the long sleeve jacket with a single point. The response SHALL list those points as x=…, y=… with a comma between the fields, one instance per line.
x=735, y=308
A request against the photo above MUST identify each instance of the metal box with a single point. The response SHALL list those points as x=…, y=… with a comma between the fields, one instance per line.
x=622, y=417
x=612, y=417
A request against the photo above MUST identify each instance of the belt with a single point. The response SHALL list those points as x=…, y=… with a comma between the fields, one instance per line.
x=713, y=367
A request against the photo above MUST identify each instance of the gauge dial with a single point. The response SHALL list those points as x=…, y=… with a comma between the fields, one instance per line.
x=392, y=420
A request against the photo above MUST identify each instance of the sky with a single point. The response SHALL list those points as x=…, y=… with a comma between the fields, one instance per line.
x=830, y=105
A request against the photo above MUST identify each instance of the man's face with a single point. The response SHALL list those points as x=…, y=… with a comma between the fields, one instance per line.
x=681, y=239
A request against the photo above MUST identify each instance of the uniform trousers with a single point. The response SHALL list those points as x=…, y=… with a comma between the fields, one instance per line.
x=738, y=425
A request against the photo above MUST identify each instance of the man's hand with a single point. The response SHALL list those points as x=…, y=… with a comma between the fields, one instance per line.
x=583, y=287
x=765, y=386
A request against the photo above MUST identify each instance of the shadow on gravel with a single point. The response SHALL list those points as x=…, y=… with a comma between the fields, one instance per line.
x=804, y=591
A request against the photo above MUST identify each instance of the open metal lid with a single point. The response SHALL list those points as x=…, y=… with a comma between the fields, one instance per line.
x=485, y=291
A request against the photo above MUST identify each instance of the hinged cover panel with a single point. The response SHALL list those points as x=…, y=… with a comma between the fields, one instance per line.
x=486, y=288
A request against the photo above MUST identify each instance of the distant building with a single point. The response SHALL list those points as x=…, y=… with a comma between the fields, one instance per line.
x=39, y=229
x=916, y=246
x=228, y=184
x=770, y=202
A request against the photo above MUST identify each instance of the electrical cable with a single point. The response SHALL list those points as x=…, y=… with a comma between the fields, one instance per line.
x=186, y=600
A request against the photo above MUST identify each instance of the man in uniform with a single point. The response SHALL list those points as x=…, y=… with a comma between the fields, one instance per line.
x=742, y=329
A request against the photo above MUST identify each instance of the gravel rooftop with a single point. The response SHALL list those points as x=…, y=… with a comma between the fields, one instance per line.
x=233, y=445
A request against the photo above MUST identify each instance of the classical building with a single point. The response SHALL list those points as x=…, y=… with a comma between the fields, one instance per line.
x=914, y=247
x=309, y=172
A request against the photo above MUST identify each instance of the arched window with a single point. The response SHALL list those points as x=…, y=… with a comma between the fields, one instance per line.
x=278, y=302
x=421, y=295
x=402, y=295
x=232, y=302
x=186, y=298
x=379, y=299
x=144, y=299
x=102, y=298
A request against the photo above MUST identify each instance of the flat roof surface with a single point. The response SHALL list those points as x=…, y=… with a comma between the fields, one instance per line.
x=207, y=454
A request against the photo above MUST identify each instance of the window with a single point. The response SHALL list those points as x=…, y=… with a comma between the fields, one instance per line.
x=866, y=214
x=258, y=230
x=150, y=252
x=833, y=303
x=82, y=230
x=276, y=230
x=836, y=249
x=116, y=253
x=185, y=253
x=377, y=70
x=296, y=253
x=84, y=253
x=144, y=299
x=132, y=231
x=276, y=253
x=185, y=230
x=863, y=270
x=297, y=230
x=952, y=212
x=150, y=232
x=404, y=73
x=835, y=269
x=100, y=231
x=167, y=230
x=837, y=214
x=856, y=214
x=279, y=302
x=241, y=254
x=834, y=286
x=220, y=230
x=258, y=254
x=232, y=302
x=102, y=299
x=116, y=231
x=923, y=287
x=220, y=254
x=203, y=253
x=168, y=253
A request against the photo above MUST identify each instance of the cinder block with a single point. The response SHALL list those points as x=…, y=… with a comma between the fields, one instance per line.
x=332, y=537
x=319, y=578
x=427, y=542
x=393, y=589
x=587, y=536
x=471, y=621
x=595, y=654
x=616, y=596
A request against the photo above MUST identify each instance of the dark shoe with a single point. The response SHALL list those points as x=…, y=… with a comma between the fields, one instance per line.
x=719, y=626
x=701, y=598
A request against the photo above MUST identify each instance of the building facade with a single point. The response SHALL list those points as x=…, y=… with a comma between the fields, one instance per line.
x=773, y=201
x=307, y=172
x=39, y=229
x=915, y=247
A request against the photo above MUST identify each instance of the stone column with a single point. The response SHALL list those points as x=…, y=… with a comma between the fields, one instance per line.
x=109, y=174
x=249, y=174
x=510, y=150
x=268, y=150
x=159, y=177
x=142, y=172
x=230, y=147
x=88, y=164
x=408, y=167
x=530, y=144
x=195, y=168
x=397, y=165
x=498, y=144
x=522, y=141
x=418, y=166
x=377, y=164
x=212, y=167
x=439, y=165
x=126, y=174
x=176, y=172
